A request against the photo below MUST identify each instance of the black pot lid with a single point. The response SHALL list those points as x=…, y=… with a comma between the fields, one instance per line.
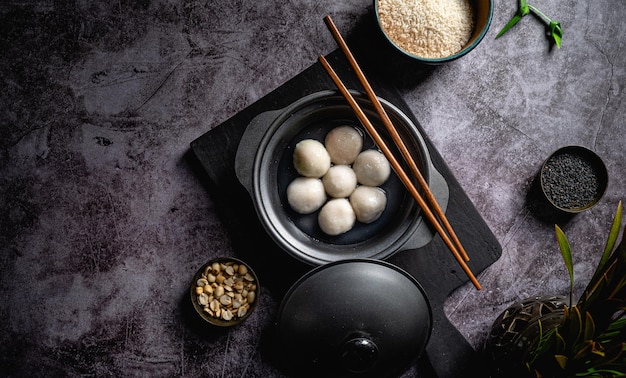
x=353, y=318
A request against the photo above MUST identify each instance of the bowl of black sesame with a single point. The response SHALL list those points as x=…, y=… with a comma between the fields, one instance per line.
x=573, y=179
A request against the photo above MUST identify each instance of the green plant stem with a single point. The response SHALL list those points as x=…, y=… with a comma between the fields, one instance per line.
x=539, y=13
x=523, y=4
x=556, y=32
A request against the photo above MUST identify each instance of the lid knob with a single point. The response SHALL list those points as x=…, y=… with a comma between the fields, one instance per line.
x=359, y=354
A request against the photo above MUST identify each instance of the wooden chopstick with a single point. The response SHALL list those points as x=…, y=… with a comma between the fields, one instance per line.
x=400, y=144
x=395, y=136
x=394, y=163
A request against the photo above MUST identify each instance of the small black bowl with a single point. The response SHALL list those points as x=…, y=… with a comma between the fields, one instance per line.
x=251, y=278
x=573, y=179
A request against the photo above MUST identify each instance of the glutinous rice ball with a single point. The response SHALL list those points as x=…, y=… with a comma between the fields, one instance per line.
x=371, y=168
x=368, y=203
x=310, y=158
x=306, y=194
x=339, y=181
x=343, y=143
x=336, y=217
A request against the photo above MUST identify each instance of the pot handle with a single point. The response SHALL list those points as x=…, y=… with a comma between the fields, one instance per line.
x=359, y=354
x=249, y=145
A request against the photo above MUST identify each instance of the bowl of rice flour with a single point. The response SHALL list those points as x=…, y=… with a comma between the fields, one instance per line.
x=434, y=31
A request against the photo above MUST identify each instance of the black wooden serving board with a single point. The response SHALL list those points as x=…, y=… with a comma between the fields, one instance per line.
x=448, y=354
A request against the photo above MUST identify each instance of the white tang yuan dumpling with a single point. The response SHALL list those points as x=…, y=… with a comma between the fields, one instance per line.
x=306, y=194
x=339, y=181
x=372, y=168
x=336, y=217
x=368, y=203
x=310, y=158
x=343, y=144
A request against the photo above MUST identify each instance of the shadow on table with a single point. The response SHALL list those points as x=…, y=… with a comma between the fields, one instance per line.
x=541, y=209
x=375, y=54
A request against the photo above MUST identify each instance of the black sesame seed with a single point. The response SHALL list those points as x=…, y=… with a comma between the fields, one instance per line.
x=569, y=181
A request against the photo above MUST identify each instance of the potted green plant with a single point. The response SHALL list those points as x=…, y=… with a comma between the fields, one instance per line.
x=552, y=337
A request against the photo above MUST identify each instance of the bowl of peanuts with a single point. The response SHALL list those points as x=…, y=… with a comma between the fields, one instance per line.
x=224, y=291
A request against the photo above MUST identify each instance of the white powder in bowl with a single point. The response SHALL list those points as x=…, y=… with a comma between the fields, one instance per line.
x=427, y=28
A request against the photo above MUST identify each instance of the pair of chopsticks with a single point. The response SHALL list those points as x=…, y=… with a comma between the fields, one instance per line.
x=448, y=235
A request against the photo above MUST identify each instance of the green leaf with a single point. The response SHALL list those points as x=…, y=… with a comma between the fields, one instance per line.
x=614, y=353
x=590, y=327
x=598, y=350
x=594, y=291
x=619, y=286
x=521, y=12
x=584, y=350
x=561, y=360
x=566, y=252
x=615, y=329
x=575, y=326
x=509, y=25
x=556, y=32
x=610, y=264
x=601, y=373
x=559, y=341
x=613, y=234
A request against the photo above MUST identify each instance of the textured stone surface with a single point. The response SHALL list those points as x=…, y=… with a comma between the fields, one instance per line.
x=103, y=222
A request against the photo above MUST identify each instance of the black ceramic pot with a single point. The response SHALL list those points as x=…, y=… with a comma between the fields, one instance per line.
x=264, y=166
x=353, y=318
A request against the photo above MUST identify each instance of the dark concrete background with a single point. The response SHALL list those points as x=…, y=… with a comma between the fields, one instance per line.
x=103, y=222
